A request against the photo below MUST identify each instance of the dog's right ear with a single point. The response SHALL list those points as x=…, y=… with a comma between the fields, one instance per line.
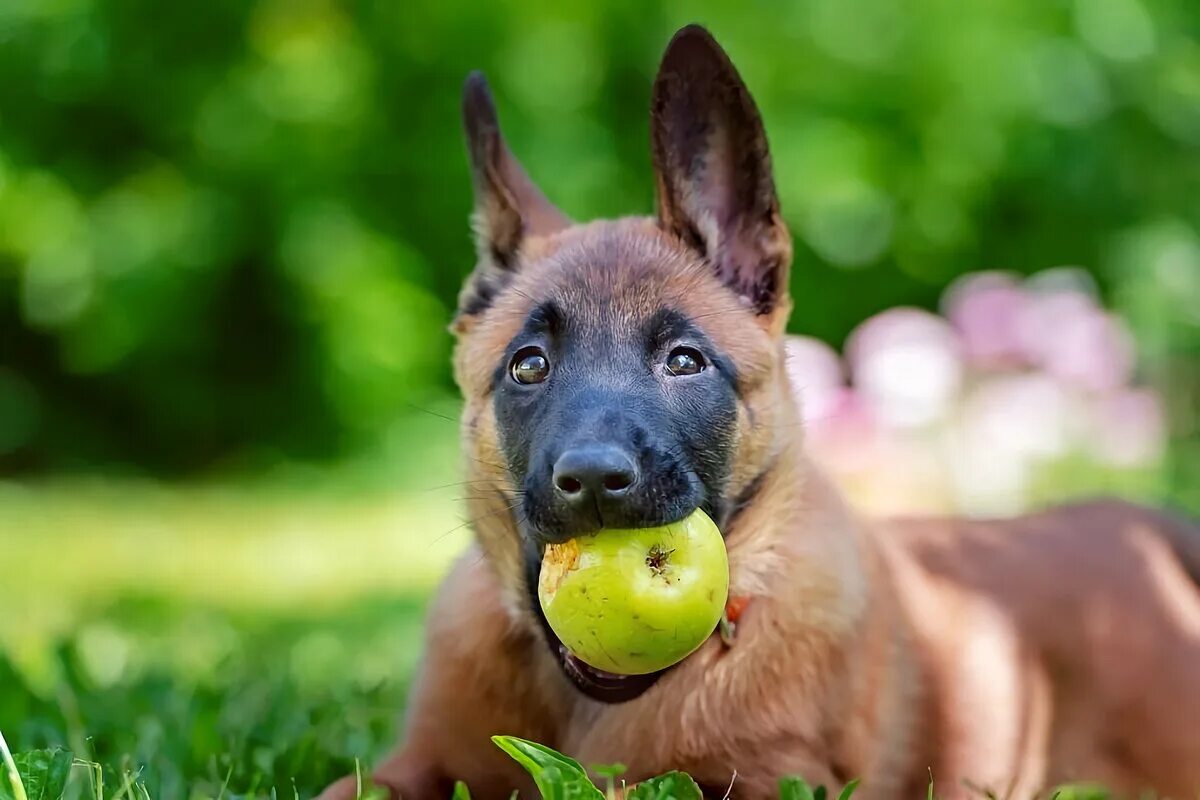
x=713, y=171
x=508, y=206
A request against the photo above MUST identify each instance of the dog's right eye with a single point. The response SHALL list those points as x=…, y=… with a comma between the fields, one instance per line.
x=530, y=365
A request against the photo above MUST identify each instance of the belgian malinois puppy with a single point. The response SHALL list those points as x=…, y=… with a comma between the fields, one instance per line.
x=623, y=373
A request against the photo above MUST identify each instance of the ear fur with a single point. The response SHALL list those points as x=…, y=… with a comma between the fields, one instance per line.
x=508, y=205
x=713, y=170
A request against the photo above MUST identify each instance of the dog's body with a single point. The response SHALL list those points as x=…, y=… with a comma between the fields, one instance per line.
x=1061, y=646
x=630, y=371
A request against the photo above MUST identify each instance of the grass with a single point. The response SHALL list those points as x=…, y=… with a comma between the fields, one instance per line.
x=196, y=701
x=223, y=640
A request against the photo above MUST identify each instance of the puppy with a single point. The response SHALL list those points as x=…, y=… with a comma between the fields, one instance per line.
x=622, y=373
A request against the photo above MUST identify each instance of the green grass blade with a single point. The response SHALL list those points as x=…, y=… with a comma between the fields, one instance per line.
x=848, y=790
x=461, y=792
x=1081, y=791
x=557, y=777
x=35, y=775
x=610, y=773
x=795, y=788
x=671, y=786
x=14, y=775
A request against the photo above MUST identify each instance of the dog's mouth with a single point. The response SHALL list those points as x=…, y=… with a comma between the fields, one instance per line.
x=606, y=687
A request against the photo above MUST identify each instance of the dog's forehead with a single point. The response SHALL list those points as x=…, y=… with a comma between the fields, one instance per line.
x=615, y=276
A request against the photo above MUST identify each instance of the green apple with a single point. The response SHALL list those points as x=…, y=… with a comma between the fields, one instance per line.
x=633, y=601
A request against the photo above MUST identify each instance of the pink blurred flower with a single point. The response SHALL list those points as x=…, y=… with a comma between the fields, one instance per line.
x=846, y=435
x=986, y=309
x=1128, y=429
x=817, y=375
x=1046, y=371
x=906, y=365
x=1069, y=336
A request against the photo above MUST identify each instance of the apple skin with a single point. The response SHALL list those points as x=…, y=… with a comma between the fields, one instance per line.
x=634, y=601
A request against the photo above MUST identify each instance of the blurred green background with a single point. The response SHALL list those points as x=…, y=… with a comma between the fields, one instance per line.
x=231, y=235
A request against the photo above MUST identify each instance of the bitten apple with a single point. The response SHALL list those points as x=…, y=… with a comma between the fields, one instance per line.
x=634, y=601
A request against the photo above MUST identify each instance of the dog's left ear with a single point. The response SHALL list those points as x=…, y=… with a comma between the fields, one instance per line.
x=713, y=171
x=508, y=205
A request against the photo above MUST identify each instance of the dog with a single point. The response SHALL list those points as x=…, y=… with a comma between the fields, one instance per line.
x=623, y=373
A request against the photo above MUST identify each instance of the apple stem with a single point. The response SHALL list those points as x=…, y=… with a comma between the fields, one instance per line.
x=657, y=559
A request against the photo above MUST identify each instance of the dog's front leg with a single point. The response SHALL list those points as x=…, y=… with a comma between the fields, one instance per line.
x=481, y=675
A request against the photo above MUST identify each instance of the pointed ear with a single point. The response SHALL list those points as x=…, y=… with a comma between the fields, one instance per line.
x=508, y=206
x=713, y=171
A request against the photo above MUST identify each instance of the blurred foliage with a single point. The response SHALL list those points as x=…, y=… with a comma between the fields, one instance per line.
x=232, y=233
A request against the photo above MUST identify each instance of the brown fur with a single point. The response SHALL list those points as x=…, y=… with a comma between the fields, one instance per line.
x=1011, y=654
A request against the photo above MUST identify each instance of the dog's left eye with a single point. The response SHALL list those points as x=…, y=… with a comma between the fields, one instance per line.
x=529, y=365
x=685, y=361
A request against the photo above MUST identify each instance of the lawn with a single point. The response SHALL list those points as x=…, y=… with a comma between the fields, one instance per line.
x=235, y=640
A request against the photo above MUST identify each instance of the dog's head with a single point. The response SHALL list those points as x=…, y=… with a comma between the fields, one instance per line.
x=624, y=373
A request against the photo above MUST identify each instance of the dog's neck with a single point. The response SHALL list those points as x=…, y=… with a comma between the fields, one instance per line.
x=773, y=501
x=494, y=522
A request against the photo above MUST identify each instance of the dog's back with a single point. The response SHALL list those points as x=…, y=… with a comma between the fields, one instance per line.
x=1060, y=645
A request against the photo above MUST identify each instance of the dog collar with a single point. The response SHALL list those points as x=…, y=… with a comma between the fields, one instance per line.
x=734, y=608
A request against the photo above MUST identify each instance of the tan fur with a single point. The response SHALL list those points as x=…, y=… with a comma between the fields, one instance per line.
x=1008, y=655
x=1011, y=654
x=1063, y=646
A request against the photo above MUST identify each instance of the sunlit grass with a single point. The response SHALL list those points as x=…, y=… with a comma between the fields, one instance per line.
x=288, y=540
x=69, y=551
x=223, y=545
x=242, y=636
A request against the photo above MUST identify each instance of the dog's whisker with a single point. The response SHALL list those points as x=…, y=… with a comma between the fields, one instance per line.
x=484, y=499
x=468, y=482
x=431, y=412
x=474, y=520
x=499, y=467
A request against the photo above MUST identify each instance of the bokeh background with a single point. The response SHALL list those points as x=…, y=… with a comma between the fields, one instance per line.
x=231, y=235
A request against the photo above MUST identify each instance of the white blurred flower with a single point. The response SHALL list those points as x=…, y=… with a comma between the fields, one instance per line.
x=899, y=474
x=983, y=484
x=906, y=365
x=1071, y=280
x=1029, y=415
x=1008, y=425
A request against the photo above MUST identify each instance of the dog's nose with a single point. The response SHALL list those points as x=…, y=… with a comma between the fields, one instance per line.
x=593, y=471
